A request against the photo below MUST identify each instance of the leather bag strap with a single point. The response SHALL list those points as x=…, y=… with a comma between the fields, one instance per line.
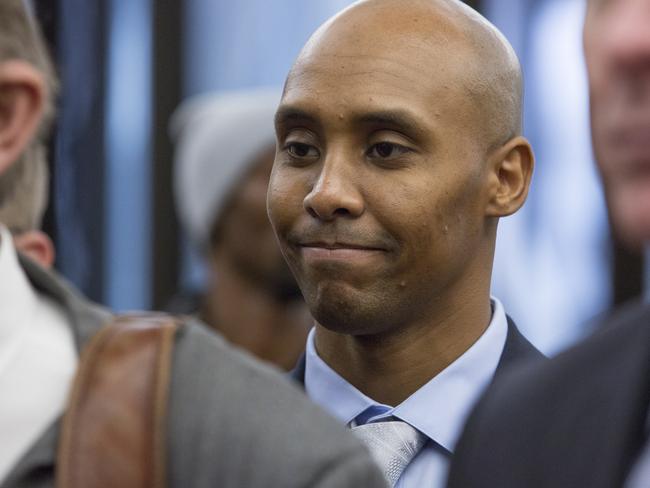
x=113, y=432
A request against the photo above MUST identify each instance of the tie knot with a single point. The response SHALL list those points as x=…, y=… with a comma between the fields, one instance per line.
x=392, y=444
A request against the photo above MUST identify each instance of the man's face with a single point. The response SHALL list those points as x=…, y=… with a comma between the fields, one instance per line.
x=617, y=50
x=246, y=237
x=378, y=190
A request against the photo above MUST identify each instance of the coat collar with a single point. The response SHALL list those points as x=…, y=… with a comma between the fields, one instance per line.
x=84, y=319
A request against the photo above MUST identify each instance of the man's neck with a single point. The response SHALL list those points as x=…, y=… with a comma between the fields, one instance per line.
x=390, y=367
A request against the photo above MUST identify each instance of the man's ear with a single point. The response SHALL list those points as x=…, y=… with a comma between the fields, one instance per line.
x=511, y=169
x=37, y=246
x=22, y=101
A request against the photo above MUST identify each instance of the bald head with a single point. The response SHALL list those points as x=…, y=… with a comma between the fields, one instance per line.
x=397, y=142
x=451, y=42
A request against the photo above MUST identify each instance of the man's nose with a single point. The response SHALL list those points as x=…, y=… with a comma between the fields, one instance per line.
x=335, y=193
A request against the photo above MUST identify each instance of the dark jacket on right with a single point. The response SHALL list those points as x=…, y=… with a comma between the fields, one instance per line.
x=576, y=421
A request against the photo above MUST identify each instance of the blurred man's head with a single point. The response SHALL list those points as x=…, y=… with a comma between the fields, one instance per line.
x=226, y=146
x=242, y=234
x=398, y=150
x=225, y=151
x=27, y=85
x=24, y=202
x=617, y=50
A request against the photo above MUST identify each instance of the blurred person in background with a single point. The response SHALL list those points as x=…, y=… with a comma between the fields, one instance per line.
x=558, y=243
x=228, y=421
x=225, y=151
x=583, y=418
x=23, y=200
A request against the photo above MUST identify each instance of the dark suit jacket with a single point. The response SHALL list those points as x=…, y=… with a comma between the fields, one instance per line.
x=231, y=422
x=516, y=349
x=575, y=421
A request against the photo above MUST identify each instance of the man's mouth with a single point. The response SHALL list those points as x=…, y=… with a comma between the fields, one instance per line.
x=343, y=252
x=334, y=246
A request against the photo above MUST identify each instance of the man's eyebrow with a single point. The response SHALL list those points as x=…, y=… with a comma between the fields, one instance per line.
x=287, y=113
x=397, y=119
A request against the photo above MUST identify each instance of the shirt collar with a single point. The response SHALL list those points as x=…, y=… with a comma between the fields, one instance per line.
x=439, y=408
x=329, y=390
x=17, y=298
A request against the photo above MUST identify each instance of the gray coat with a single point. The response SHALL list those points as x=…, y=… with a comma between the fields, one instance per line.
x=231, y=422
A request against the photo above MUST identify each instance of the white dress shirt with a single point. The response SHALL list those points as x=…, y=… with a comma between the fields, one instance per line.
x=37, y=359
x=438, y=409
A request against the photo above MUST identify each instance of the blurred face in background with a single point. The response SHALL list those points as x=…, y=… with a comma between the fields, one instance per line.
x=617, y=52
x=245, y=234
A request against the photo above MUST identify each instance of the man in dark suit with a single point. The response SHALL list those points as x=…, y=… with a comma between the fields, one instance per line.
x=399, y=149
x=229, y=422
x=582, y=419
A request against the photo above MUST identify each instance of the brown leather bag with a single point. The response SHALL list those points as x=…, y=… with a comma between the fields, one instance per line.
x=113, y=432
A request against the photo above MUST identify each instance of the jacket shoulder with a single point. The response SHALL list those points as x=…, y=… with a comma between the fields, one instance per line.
x=541, y=413
x=234, y=422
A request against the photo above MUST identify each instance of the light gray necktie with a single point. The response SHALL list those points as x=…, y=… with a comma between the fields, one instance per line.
x=392, y=444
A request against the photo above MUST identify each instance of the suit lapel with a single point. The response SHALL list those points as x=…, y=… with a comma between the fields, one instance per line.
x=37, y=465
x=516, y=349
x=84, y=317
x=36, y=468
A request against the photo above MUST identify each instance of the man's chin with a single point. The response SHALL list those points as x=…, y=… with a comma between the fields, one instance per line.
x=345, y=325
x=347, y=311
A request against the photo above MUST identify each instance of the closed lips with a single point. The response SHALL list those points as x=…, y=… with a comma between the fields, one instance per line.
x=340, y=245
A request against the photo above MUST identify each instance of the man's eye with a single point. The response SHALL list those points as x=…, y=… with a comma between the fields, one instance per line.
x=386, y=150
x=300, y=150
